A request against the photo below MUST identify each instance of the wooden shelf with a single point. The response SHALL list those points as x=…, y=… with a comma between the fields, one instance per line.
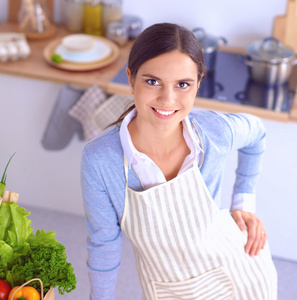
x=36, y=67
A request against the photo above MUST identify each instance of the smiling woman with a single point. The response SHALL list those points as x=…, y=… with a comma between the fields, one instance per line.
x=156, y=175
x=164, y=95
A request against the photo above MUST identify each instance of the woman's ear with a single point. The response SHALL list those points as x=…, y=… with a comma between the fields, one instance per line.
x=128, y=71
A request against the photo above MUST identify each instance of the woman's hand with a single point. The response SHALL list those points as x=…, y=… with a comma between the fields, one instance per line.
x=256, y=231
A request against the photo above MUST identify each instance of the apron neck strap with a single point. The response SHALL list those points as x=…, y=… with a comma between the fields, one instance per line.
x=126, y=167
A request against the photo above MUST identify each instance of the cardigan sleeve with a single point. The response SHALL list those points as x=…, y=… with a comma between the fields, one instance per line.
x=104, y=238
x=249, y=139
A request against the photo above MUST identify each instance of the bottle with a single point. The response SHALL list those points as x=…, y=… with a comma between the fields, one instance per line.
x=92, y=17
x=74, y=13
x=111, y=12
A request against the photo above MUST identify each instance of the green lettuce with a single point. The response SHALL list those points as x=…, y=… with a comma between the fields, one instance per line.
x=6, y=258
x=15, y=229
x=25, y=255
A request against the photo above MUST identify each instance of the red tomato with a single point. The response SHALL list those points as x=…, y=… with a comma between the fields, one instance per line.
x=5, y=289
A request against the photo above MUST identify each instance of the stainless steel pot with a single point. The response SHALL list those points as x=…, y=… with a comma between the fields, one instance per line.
x=270, y=62
x=275, y=97
x=210, y=45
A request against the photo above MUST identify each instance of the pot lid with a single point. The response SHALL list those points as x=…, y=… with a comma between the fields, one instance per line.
x=208, y=43
x=270, y=50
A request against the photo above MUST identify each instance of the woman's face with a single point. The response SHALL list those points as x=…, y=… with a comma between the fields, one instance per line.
x=164, y=90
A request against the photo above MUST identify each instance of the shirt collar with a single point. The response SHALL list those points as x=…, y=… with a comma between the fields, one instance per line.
x=190, y=129
x=129, y=149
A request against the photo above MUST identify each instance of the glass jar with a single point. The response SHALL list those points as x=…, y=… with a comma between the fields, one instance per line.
x=135, y=26
x=92, y=17
x=33, y=16
x=118, y=32
x=74, y=13
x=111, y=12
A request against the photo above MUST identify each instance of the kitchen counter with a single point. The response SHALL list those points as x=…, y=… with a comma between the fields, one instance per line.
x=230, y=89
x=36, y=67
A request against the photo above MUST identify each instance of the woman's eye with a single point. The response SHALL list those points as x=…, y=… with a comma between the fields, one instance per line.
x=183, y=85
x=152, y=82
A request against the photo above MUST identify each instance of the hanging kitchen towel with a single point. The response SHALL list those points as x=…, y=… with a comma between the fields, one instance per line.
x=85, y=107
x=110, y=110
x=61, y=127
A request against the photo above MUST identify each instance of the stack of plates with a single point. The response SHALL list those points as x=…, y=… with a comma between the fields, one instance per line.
x=82, y=52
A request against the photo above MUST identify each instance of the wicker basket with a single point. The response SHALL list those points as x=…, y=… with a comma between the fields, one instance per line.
x=50, y=295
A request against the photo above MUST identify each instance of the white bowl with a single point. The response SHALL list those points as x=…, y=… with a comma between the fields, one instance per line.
x=78, y=43
x=99, y=52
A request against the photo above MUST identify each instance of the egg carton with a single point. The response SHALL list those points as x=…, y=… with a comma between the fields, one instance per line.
x=13, y=46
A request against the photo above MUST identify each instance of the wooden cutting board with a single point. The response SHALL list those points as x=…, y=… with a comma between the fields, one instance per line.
x=279, y=27
x=285, y=27
x=15, y=5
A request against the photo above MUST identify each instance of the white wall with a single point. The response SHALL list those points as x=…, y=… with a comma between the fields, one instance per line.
x=48, y=179
x=277, y=189
x=276, y=202
x=240, y=21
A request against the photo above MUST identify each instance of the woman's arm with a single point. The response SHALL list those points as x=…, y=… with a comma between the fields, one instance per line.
x=104, y=239
x=249, y=139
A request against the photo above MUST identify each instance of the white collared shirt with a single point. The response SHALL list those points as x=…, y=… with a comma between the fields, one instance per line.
x=150, y=174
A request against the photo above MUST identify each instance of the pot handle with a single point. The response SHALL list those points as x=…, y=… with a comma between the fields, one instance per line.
x=271, y=38
x=223, y=40
x=199, y=29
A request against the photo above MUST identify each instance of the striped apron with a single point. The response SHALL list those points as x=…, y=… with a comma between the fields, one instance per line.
x=186, y=248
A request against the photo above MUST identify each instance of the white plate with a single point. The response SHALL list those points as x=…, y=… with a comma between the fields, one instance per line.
x=99, y=52
x=78, y=43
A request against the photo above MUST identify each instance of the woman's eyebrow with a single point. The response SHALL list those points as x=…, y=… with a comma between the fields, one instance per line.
x=186, y=79
x=157, y=78
x=151, y=76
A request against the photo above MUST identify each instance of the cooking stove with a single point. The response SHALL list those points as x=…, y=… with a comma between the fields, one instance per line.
x=230, y=82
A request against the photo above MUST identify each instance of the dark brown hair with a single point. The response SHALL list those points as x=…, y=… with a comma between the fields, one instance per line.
x=162, y=38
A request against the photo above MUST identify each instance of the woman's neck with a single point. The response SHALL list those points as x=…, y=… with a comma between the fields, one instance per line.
x=167, y=149
x=153, y=141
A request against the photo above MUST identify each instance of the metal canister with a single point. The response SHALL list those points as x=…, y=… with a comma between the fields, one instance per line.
x=118, y=32
x=135, y=26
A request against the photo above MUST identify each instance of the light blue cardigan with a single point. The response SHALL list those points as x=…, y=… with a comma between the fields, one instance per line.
x=103, y=183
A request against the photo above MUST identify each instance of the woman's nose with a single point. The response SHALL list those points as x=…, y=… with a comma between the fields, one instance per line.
x=166, y=95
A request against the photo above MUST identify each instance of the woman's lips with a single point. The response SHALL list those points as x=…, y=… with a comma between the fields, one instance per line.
x=164, y=112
